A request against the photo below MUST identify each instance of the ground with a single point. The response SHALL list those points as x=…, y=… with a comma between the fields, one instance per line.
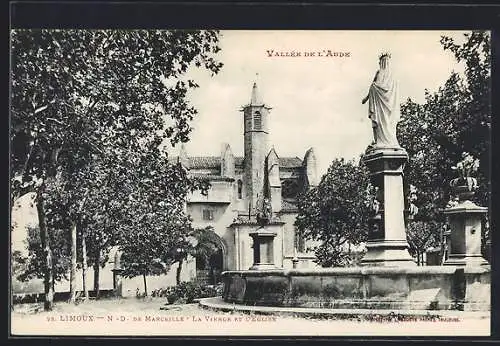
x=151, y=317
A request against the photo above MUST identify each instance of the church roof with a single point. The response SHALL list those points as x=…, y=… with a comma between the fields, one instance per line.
x=207, y=162
x=290, y=162
x=204, y=161
x=285, y=162
x=211, y=177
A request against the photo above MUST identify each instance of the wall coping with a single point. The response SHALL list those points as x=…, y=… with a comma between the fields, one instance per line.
x=423, y=270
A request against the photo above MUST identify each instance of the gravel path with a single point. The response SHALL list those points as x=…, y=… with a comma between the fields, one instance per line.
x=151, y=317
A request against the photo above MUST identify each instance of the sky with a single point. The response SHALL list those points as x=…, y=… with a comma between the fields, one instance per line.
x=316, y=101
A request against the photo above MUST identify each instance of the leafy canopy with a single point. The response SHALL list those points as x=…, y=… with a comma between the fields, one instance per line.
x=335, y=213
x=93, y=112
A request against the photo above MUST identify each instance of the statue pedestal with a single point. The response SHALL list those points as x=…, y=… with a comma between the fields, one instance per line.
x=387, y=244
x=263, y=249
x=465, y=237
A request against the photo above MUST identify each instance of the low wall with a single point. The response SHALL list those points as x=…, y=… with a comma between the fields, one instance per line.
x=422, y=288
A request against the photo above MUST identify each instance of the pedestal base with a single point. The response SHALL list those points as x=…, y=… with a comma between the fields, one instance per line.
x=387, y=253
x=117, y=282
x=263, y=249
x=465, y=236
x=387, y=245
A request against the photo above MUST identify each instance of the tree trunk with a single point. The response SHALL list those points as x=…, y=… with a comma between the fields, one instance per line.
x=178, y=273
x=72, y=272
x=45, y=240
x=145, y=284
x=97, y=267
x=13, y=199
x=53, y=278
x=84, y=267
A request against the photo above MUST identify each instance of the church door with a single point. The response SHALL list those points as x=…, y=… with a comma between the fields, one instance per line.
x=208, y=270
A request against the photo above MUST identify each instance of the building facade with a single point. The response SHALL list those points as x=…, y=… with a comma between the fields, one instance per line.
x=237, y=185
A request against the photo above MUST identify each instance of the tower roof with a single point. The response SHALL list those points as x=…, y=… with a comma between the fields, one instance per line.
x=255, y=99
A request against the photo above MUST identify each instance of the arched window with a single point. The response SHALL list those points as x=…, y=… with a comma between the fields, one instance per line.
x=257, y=121
x=240, y=188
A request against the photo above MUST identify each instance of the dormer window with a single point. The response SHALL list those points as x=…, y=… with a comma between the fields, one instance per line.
x=257, y=121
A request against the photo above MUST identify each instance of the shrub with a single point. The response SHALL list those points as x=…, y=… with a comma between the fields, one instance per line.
x=187, y=292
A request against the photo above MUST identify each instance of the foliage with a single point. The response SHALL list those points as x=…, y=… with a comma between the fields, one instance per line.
x=83, y=103
x=197, y=242
x=34, y=262
x=452, y=125
x=187, y=292
x=422, y=236
x=156, y=228
x=201, y=244
x=156, y=222
x=335, y=213
x=451, y=121
x=18, y=264
x=467, y=166
x=113, y=83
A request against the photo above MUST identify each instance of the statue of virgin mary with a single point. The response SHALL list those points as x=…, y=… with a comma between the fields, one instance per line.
x=383, y=105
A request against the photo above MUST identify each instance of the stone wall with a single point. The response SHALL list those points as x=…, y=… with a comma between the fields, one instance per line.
x=420, y=288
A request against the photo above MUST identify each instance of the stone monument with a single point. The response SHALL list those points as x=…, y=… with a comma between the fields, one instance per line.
x=117, y=275
x=465, y=218
x=389, y=278
x=263, y=238
x=385, y=158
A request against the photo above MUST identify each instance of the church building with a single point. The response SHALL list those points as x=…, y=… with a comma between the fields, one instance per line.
x=237, y=185
x=232, y=208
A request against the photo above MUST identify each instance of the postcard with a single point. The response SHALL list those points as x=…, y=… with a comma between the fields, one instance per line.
x=250, y=182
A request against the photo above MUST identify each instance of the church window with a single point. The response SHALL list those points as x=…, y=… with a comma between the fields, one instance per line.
x=240, y=188
x=257, y=121
x=208, y=214
x=290, y=188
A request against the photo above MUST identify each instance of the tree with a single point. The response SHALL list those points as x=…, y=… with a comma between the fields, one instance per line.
x=81, y=93
x=335, y=213
x=453, y=120
x=199, y=244
x=34, y=260
x=99, y=216
x=155, y=222
x=422, y=236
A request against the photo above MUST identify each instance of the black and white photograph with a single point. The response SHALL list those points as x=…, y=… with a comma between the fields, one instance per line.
x=250, y=182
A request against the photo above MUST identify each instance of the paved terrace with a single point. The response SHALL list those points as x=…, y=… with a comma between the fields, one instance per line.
x=218, y=304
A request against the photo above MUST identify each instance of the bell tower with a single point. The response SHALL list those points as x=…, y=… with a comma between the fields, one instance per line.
x=256, y=146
